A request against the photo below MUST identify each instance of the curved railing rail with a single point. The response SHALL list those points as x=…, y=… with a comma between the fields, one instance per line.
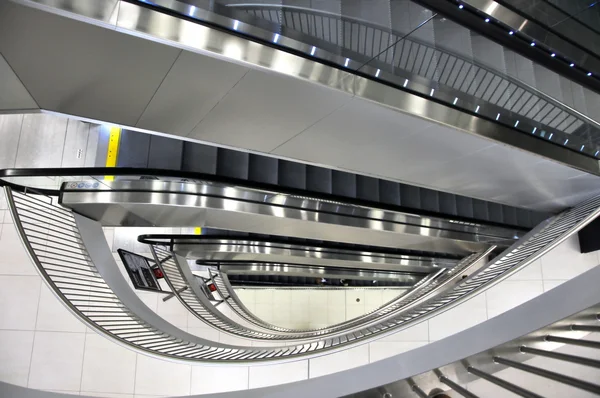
x=444, y=67
x=52, y=237
x=184, y=286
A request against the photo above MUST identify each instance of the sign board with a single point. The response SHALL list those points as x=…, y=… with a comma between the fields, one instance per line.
x=140, y=271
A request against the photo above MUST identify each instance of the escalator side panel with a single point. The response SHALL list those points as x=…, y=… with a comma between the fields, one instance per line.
x=430, y=200
x=495, y=212
x=464, y=206
x=134, y=149
x=199, y=158
x=367, y=188
x=480, y=210
x=291, y=174
x=344, y=184
x=410, y=196
x=234, y=164
x=389, y=192
x=509, y=214
x=318, y=179
x=448, y=203
x=165, y=153
x=263, y=169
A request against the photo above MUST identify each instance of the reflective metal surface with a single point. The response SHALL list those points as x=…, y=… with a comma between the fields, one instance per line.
x=40, y=232
x=188, y=35
x=160, y=203
x=538, y=32
x=251, y=251
x=399, y=278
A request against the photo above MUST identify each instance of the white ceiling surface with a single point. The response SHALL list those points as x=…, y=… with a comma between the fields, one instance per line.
x=88, y=71
x=13, y=95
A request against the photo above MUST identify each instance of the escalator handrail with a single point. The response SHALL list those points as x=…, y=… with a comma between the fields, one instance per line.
x=566, y=108
x=86, y=233
x=213, y=178
x=181, y=282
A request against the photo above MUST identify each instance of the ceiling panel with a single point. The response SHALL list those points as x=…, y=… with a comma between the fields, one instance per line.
x=194, y=85
x=81, y=69
x=13, y=95
x=367, y=138
x=264, y=110
x=377, y=140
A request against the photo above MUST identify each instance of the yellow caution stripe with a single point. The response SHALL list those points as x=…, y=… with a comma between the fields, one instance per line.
x=113, y=150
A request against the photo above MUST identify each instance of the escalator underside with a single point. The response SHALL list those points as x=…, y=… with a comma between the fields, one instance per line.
x=185, y=204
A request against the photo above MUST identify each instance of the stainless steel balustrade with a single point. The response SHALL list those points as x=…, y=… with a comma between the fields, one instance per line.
x=437, y=67
x=60, y=250
x=182, y=282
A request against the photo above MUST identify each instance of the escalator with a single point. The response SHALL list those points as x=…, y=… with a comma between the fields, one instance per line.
x=396, y=54
x=438, y=67
x=395, y=67
x=293, y=178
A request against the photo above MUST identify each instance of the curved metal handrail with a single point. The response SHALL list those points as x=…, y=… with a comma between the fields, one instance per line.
x=550, y=117
x=182, y=283
x=54, y=240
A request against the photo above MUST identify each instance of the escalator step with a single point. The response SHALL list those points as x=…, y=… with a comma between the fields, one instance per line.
x=232, y=163
x=343, y=184
x=133, y=149
x=263, y=169
x=199, y=158
x=292, y=174
x=165, y=153
x=318, y=179
x=367, y=188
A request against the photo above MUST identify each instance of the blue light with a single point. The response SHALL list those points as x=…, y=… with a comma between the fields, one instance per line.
x=582, y=148
x=589, y=74
x=497, y=116
x=566, y=142
x=487, y=20
x=572, y=65
x=347, y=62
x=377, y=73
x=312, y=51
x=276, y=38
x=511, y=33
x=192, y=11
x=460, y=6
x=596, y=154
x=534, y=129
x=532, y=44
x=553, y=55
x=517, y=123
x=551, y=134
